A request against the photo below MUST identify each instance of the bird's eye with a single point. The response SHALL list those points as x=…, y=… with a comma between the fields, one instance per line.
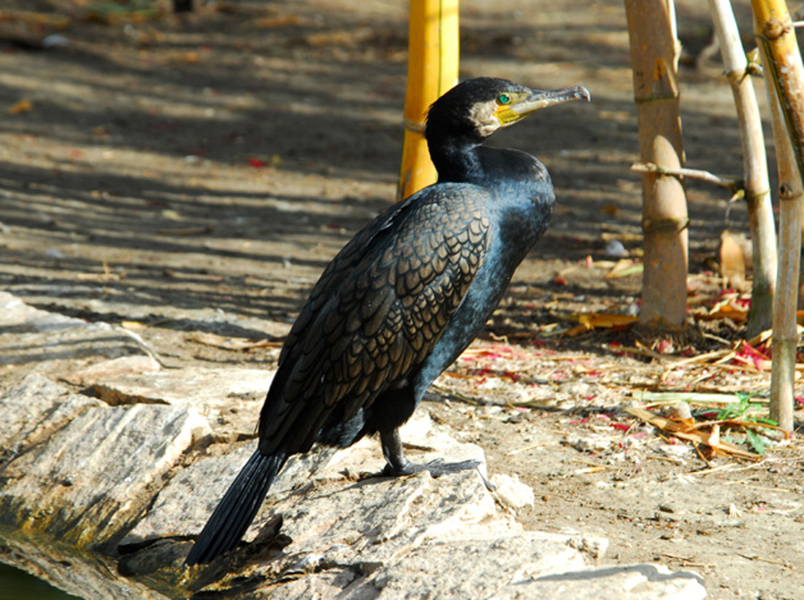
x=503, y=99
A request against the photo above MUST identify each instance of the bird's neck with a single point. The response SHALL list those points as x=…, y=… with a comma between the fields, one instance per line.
x=488, y=167
x=457, y=161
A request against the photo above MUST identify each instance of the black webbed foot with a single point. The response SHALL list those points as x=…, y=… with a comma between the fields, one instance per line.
x=436, y=468
x=398, y=464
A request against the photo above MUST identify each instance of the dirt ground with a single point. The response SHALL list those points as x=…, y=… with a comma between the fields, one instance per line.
x=190, y=177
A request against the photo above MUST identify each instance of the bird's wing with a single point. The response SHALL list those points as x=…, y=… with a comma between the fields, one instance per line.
x=378, y=310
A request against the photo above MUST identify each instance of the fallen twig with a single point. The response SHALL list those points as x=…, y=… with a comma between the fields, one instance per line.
x=769, y=561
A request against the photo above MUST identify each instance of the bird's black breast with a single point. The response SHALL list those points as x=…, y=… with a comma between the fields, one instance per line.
x=521, y=211
x=378, y=311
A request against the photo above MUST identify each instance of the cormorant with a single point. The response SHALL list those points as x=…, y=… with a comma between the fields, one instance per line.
x=402, y=299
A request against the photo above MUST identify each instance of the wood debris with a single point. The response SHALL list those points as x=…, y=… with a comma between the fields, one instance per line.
x=684, y=431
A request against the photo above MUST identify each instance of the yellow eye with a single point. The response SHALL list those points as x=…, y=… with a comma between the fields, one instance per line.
x=503, y=99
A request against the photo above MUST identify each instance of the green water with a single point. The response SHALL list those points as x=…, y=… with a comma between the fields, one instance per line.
x=16, y=584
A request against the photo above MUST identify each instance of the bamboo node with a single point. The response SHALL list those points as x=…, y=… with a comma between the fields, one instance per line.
x=413, y=126
x=754, y=66
x=658, y=97
x=786, y=192
x=775, y=28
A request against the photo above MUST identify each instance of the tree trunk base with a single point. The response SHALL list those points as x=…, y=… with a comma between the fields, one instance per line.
x=651, y=336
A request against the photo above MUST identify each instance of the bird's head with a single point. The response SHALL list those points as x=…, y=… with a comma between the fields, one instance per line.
x=476, y=108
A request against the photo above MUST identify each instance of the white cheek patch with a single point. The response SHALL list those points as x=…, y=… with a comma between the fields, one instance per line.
x=483, y=118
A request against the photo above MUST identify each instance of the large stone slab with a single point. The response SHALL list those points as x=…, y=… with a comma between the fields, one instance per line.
x=83, y=574
x=81, y=480
x=534, y=565
x=34, y=410
x=93, y=477
x=108, y=369
x=186, y=502
x=229, y=397
x=192, y=386
x=53, y=344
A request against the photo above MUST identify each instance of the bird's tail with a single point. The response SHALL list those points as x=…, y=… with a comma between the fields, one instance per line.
x=237, y=509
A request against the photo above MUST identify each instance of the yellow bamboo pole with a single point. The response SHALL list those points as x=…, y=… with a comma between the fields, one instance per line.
x=433, y=51
x=777, y=38
x=785, y=74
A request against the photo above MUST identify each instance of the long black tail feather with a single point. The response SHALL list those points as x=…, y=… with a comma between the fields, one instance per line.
x=235, y=512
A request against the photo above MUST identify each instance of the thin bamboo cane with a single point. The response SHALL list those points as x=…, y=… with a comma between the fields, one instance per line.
x=755, y=167
x=785, y=75
x=433, y=53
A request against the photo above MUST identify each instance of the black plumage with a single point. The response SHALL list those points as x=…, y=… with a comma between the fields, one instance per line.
x=402, y=299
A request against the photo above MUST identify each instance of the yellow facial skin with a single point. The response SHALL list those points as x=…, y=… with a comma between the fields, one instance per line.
x=507, y=111
x=512, y=106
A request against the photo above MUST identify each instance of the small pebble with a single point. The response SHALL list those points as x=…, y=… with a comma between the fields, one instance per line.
x=615, y=249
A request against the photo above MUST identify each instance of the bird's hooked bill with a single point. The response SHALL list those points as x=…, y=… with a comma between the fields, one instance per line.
x=526, y=104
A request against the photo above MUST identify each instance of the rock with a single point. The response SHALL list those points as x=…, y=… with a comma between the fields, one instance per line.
x=511, y=492
x=84, y=574
x=191, y=386
x=52, y=344
x=35, y=409
x=116, y=367
x=592, y=545
x=93, y=477
x=515, y=567
x=615, y=249
x=594, y=443
x=229, y=397
x=464, y=566
x=104, y=501
x=187, y=501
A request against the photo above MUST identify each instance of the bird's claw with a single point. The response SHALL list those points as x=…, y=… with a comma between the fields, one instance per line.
x=438, y=467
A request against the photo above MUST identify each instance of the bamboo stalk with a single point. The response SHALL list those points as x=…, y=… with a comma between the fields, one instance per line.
x=784, y=67
x=755, y=167
x=785, y=77
x=433, y=52
x=651, y=30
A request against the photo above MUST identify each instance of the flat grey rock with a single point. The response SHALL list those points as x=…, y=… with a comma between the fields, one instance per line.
x=192, y=386
x=93, y=477
x=34, y=410
x=229, y=397
x=118, y=485
x=53, y=344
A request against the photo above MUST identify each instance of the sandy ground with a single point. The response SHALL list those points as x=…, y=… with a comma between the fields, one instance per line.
x=191, y=177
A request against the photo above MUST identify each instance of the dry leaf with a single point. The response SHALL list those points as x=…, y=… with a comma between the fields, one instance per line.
x=732, y=261
x=19, y=107
x=592, y=321
x=680, y=431
x=725, y=309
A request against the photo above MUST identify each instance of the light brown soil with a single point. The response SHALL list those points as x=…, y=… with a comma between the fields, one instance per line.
x=191, y=177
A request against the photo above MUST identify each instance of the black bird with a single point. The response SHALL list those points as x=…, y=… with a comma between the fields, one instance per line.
x=403, y=299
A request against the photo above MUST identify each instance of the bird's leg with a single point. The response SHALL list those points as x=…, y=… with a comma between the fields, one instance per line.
x=398, y=464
